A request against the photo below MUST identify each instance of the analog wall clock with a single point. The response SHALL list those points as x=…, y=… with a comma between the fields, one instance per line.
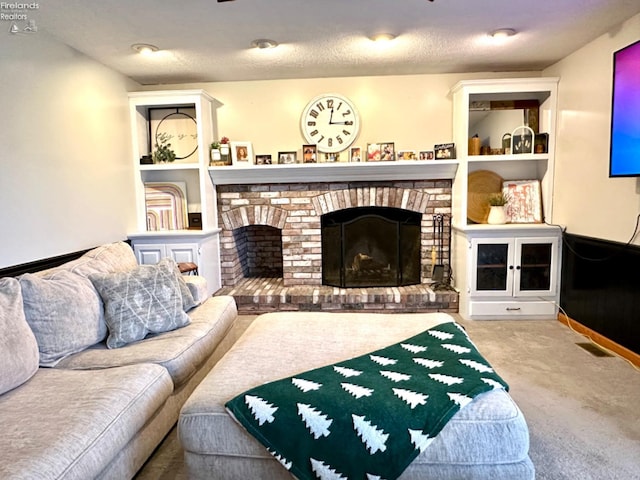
x=331, y=122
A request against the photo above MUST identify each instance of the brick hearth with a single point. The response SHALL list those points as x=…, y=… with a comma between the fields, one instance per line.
x=263, y=295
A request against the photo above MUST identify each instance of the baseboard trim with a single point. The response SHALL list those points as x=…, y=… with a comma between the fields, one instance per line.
x=601, y=340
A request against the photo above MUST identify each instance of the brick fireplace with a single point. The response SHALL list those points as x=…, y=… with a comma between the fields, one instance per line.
x=271, y=244
x=268, y=228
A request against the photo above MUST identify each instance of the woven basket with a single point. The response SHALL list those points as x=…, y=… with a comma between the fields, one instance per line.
x=482, y=183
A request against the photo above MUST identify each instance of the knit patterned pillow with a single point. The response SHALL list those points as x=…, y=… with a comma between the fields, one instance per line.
x=137, y=302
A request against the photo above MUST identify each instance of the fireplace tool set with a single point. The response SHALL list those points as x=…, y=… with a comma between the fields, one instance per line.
x=439, y=274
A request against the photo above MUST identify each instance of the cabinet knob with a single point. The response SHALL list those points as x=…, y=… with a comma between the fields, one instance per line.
x=510, y=267
x=518, y=267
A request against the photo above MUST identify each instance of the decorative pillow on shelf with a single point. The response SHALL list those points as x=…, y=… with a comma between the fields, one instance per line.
x=188, y=302
x=18, y=346
x=140, y=301
x=64, y=312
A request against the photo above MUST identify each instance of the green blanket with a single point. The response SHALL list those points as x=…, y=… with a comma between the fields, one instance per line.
x=368, y=417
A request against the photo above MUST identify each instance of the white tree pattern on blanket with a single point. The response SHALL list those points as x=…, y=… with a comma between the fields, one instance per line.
x=316, y=421
x=262, y=410
x=373, y=437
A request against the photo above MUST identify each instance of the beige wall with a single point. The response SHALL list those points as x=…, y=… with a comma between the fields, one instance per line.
x=65, y=168
x=586, y=200
x=413, y=111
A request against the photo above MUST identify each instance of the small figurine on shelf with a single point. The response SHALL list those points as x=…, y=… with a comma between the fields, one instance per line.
x=163, y=152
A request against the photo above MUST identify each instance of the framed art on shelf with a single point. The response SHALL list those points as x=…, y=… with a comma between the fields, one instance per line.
x=426, y=155
x=445, y=151
x=407, y=155
x=287, y=157
x=381, y=152
x=524, y=201
x=330, y=157
x=166, y=205
x=241, y=153
x=309, y=154
x=263, y=159
x=355, y=154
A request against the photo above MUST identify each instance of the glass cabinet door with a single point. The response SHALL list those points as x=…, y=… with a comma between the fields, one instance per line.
x=535, y=266
x=491, y=267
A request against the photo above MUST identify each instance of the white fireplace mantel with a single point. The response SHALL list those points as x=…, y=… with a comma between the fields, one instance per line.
x=335, y=172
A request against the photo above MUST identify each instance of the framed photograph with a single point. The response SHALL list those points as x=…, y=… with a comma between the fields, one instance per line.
x=263, y=159
x=381, y=152
x=445, y=151
x=355, y=154
x=241, y=153
x=426, y=155
x=309, y=154
x=330, y=157
x=524, y=201
x=287, y=157
x=407, y=155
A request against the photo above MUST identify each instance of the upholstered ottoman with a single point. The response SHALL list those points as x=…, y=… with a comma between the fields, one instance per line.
x=487, y=439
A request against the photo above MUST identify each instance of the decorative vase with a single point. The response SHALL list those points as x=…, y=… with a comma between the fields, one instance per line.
x=496, y=215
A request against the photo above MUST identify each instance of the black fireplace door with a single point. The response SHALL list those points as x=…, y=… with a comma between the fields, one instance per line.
x=371, y=247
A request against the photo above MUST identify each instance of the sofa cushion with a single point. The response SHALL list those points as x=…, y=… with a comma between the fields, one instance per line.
x=64, y=312
x=76, y=422
x=108, y=258
x=137, y=302
x=181, y=351
x=116, y=257
x=198, y=287
x=18, y=346
x=188, y=301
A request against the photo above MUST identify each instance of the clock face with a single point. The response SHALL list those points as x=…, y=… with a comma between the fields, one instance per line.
x=331, y=122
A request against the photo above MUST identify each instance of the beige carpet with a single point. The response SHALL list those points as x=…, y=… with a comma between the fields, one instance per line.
x=582, y=410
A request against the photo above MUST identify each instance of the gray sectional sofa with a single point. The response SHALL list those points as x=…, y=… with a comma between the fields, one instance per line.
x=97, y=357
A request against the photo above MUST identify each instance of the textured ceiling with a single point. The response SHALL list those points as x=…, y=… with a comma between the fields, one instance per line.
x=206, y=41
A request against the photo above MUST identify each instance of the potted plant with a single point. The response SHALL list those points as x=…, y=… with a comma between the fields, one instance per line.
x=163, y=152
x=220, y=151
x=497, y=202
x=215, y=151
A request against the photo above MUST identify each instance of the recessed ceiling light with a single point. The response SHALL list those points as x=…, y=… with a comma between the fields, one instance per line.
x=502, y=33
x=144, y=48
x=264, y=43
x=383, y=37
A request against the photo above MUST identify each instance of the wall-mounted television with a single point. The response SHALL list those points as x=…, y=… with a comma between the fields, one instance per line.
x=624, y=160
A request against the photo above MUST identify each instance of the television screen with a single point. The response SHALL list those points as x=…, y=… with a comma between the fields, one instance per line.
x=625, y=113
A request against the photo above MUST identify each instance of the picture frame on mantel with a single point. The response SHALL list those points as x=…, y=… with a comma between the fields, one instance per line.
x=263, y=159
x=309, y=154
x=241, y=154
x=355, y=154
x=381, y=152
x=285, y=158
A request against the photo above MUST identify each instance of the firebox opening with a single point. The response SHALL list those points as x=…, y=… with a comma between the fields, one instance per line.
x=259, y=250
x=371, y=247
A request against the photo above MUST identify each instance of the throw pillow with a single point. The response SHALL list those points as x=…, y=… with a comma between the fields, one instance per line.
x=140, y=301
x=64, y=312
x=188, y=302
x=18, y=346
